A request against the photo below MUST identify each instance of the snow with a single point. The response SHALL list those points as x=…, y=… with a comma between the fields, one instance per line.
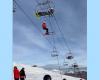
x=35, y=73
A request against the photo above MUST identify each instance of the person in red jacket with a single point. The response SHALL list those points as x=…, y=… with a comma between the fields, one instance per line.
x=45, y=27
x=16, y=73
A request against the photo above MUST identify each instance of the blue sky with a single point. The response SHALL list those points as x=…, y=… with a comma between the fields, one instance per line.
x=30, y=47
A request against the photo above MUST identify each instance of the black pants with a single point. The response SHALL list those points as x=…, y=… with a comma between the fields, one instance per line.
x=22, y=79
x=47, y=31
x=16, y=78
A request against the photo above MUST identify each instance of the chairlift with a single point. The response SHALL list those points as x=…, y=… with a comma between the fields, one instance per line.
x=54, y=53
x=70, y=56
x=44, y=9
x=40, y=13
x=65, y=63
x=75, y=65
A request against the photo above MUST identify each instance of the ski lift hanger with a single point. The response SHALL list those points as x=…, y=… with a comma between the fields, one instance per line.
x=54, y=53
x=45, y=3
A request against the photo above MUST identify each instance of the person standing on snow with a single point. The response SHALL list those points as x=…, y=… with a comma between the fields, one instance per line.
x=22, y=74
x=16, y=73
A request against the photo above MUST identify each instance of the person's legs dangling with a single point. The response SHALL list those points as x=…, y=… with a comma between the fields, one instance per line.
x=47, y=31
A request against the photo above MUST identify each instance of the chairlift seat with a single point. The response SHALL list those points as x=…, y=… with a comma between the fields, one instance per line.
x=75, y=65
x=54, y=55
x=70, y=57
x=45, y=13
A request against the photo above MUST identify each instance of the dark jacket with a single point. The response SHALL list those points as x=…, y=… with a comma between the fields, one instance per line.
x=22, y=74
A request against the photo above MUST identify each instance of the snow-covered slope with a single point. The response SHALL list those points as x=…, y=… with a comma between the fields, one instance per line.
x=35, y=73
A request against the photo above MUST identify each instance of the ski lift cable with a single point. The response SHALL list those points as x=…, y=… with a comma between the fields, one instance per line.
x=31, y=21
x=49, y=17
x=54, y=45
x=63, y=38
x=61, y=31
x=52, y=30
x=61, y=34
x=53, y=38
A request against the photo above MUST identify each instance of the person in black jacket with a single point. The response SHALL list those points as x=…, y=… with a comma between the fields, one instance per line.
x=22, y=74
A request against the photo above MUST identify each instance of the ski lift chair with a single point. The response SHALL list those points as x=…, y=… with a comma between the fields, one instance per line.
x=75, y=65
x=45, y=8
x=54, y=53
x=49, y=12
x=64, y=79
x=65, y=64
x=70, y=56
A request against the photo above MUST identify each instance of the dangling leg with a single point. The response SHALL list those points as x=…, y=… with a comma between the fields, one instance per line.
x=47, y=32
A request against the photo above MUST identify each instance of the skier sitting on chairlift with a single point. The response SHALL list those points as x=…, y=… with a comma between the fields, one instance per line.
x=44, y=13
x=70, y=57
x=51, y=11
x=45, y=27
